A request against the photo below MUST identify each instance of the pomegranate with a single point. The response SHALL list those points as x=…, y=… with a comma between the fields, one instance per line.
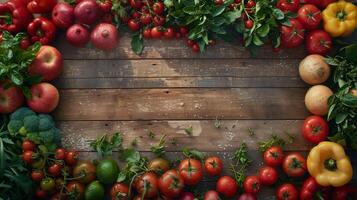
x=63, y=15
x=105, y=36
x=87, y=12
x=77, y=35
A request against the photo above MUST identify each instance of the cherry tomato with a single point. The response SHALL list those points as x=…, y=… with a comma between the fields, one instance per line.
x=195, y=47
x=145, y=19
x=287, y=191
x=186, y=196
x=133, y=25
x=227, y=186
x=250, y=4
x=171, y=184
x=268, y=175
x=71, y=158
x=251, y=184
x=27, y=145
x=148, y=182
x=145, y=9
x=190, y=43
x=159, y=20
x=158, y=8
x=169, y=33
x=218, y=2
x=55, y=169
x=48, y=184
x=40, y=194
x=136, y=3
x=119, y=191
x=288, y=5
x=60, y=154
x=105, y=5
x=237, y=1
x=156, y=32
x=273, y=156
x=309, y=16
x=75, y=190
x=211, y=195
x=159, y=165
x=247, y=196
x=25, y=43
x=191, y=171
x=135, y=15
x=183, y=30
x=318, y=42
x=37, y=175
x=28, y=157
x=292, y=36
x=178, y=35
x=248, y=24
x=294, y=165
x=213, y=166
x=147, y=33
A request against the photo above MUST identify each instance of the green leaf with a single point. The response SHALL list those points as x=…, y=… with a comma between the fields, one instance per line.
x=257, y=41
x=278, y=14
x=349, y=100
x=16, y=78
x=193, y=153
x=340, y=117
x=351, y=52
x=137, y=44
x=263, y=30
x=231, y=16
x=217, y=10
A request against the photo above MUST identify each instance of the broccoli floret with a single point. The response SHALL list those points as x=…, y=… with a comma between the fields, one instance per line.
x=47, y=136
x=14, y=126
x=31, y=123
x=21, y=113
x=45, y=123
x=34, y=137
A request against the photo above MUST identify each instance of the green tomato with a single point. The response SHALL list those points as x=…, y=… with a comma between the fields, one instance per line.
x=94, y=191
x=38, y=164
x=48, y=184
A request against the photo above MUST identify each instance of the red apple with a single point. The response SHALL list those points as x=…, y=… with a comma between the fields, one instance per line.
x=45, y=98
x=48, y=63
x=10, y=99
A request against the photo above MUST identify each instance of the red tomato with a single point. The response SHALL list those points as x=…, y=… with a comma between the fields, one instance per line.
x=178, y=35
x=292, y=36
x=309, y=16
x=156, y=32
x=195, y=47
x=145, y=18
x=250, y=4
x=28, y=157
x=75, y=190
x=213, y=166
x=159, y=20
x=27, y=145
x=218, y=2
x=136, y=3
x=294, y=165
x=186, y=196
x=183, y=30
x=169, y=33
x=37, y=176
x=227, y=186
x=148, y=182
x=287, y=191
x=288, y=5
x=273, y=156
x=71, y=158
x=319, y=3
x=310, y=188
x=135, y=15
x=211, y=195
x=55, y=169
x=158, y=8
x=147, y=33
x=171, y=184
x=133, y=25
x=191, y=171
x=248, y=24
x=40, y=194
x=119, y=191
x=315, y=129
x=251, y=184
x=190, y=43
x=318, y=42
x=268, y=175
x=60, y=154
x=246, y=196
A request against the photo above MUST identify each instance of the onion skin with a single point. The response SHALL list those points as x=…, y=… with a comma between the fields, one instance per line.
x=316, y=99
x=314, y=70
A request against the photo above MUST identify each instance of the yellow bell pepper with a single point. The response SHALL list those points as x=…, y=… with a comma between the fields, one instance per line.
x=340, y=18
x=329, y=165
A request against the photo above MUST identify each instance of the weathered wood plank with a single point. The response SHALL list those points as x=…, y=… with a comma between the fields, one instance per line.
x=151, y=104
x=180, y=68
x=171, y=49
x=178, y=82
x=205, y=135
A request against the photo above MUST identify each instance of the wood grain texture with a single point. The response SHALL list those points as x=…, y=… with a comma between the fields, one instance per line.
x=151, y=104
x=205, y=135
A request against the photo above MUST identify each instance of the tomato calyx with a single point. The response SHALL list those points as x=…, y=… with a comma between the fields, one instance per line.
x=316, y=129
x=311, y=15
x=286, y=195
x=295, y=164
x=325, y=44
x=175, y=183
x=274, y=155
x=330, y=164
x=296, y=32
x=213, y=164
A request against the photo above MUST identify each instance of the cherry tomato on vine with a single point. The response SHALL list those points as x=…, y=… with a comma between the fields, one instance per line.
x=48, y=184
x=292, y=36
x=159, y=20
x=250, y=4
x=27, y=145
x=249, y=24
x=156, y=32
x=37, y=175
x=147, y=33
x=287, y=191
x=60, y=154
x=184, y=30
x=213, y=166
x=133, y=25
x=171, y=184
x=40, y=194
x=71, y=158
x=227, y=186
x=119, y=191
x=75, y=190
x=268, y=175
x=191, y=171
x=55, y=169
x=190, y=43
x=273, y=156
x=158, y=8
x=218, y=2
x=136, y=3
x=195, y=47
x=294, y=165
x=145, y=18
x=169, y=33
x=288, y=5
x=251, y=184
x=135, y=15
x=28, y=157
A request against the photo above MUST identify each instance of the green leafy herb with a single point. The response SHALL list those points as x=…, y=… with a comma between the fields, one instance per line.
x=189, y=131
x=105, y=146
x=193, y=153
x=217, y=123
x=251, y=132
x=151, y=135
x=274, y=141
x=240, y=156
x=134, y=165
x=159, y=149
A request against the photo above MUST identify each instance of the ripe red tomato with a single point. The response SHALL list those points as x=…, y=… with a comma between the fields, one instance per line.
x=268, y=175
x=287, y=191
x=156, y=32
x=40, y=194
x=60, y=154
x=178, y=35
x=288, y=5
x=135, y=15
x=190, y=43
x=211, y=195
x=195, y=47
x=184, y=30
x=213, y=166
x=292, y=36
x=145, y=18
x=37, y=175
x=147, y=185
x=71, y=158
x=75, y=190
x=250, y=4
x=119, y=191
x=273, y=156
x=158, y=8
x=319, y=3
x=186, y=196
x=147, y=33
x=227, y=186
x=251, y=184
x=318, y=42
x=247, y=196
x=159, y=20
x=27, y=145
x=315, y=129
x=191, y=171
x=169, y=33
x=309, y=16
x=248, y=24
x=171, y=184
x=54, y=169
x=28, y=157
x=136, y=3
x=294, y=165
x=133, y=25
x=218, y=2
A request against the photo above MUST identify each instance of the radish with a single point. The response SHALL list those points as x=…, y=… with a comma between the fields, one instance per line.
x=77, y=35
x=105, y=36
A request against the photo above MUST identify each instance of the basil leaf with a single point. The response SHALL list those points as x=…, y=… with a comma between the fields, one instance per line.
x=278, y=14
x=263, y=30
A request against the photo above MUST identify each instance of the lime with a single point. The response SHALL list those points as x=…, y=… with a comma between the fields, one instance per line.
x=107, y=171
x=94, y=191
